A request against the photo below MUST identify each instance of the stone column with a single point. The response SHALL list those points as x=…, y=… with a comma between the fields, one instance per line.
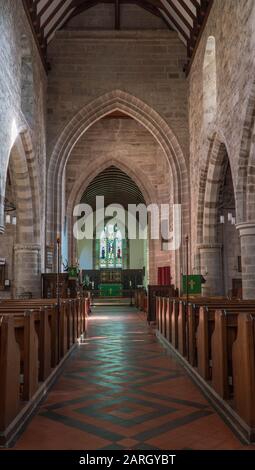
x=27, y=269
x=247, y=238
x=211, y=269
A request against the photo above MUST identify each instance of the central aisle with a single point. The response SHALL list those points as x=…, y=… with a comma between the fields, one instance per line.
x=122, y=390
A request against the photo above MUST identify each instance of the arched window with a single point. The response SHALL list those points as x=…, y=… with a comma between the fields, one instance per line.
x=111, y=247
x=210, y=82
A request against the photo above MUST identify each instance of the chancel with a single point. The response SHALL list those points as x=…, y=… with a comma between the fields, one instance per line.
x=127, y=226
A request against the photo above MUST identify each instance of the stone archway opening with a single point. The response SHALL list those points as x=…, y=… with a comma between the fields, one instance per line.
x=60, y=204
x=115, y=158
x=20, y=242
x=220, y=250
x=113, y=247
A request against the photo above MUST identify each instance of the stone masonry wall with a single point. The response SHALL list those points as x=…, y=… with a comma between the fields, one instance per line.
x=122, y=141
x=232, y=26
x=22, y=77
x=148, y=65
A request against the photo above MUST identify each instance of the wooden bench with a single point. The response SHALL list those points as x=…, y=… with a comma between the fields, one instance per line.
x=205, y=329
x=34, y=336
x=73, y=317
x=244, y=370
x=217, y=337
x=10, y=373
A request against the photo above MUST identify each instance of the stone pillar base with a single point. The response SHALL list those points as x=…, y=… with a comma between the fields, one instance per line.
x=27, y=270
x=211, y=269
x=247, y=238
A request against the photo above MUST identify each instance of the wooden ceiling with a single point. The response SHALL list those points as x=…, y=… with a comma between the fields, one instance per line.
x=187, y=17
x=116, y=187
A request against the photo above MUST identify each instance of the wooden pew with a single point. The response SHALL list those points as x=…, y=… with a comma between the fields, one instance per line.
x=223, y=338
x=182, y=330
x=34, y=335
x=9, y=373
x=158, y=312
x=205, y=331
x=244, y=369
x=72, y=318
x=27, y=339
x=174, y=329
x=219, y=336
x=192, y=322
x=163, y=316
x=168, y=316
x=47, y=330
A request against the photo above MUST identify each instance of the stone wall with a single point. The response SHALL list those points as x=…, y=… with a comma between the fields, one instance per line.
x=147, y=69
x=148, y=65
x=232, y=26
x=121, y=142
x=23, y=85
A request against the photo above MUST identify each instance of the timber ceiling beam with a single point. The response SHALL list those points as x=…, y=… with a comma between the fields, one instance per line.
x=203, y=10
x=187, y=17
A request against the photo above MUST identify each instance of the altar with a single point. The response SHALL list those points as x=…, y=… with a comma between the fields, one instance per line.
x=110, y=290
x=112, y=282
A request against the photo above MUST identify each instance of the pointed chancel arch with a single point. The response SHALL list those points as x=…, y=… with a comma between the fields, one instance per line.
x=89, y=115
x=146, y=190
x=84, y=119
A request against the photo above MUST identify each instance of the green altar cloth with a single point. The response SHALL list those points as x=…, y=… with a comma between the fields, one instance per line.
x=110, y=290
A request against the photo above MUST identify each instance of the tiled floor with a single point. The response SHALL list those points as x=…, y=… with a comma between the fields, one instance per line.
x=123, y=390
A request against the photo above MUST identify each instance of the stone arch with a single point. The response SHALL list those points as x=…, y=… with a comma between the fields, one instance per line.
x=24, y=172
x=83, y=120
x=208, y=186
x=246, y=166
x=215, y=173
x=75, y=197
x=33, y=172
x=24, y=177
x=212, y=193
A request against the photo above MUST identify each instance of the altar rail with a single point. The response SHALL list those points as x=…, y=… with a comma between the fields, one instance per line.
x=215, y=339
x=36, y=337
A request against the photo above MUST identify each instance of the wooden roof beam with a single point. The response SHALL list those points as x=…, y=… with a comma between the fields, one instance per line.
x=205, y=9
x=179, y=14
x=186, y=8
x=27, y=5
x=71, y=11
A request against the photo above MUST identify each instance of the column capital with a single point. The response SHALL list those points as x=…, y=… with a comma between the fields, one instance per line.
x=246, y=228
x=209, y=246
x=29, y=247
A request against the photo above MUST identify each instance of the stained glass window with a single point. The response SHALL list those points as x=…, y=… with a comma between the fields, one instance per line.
x=111, y=247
